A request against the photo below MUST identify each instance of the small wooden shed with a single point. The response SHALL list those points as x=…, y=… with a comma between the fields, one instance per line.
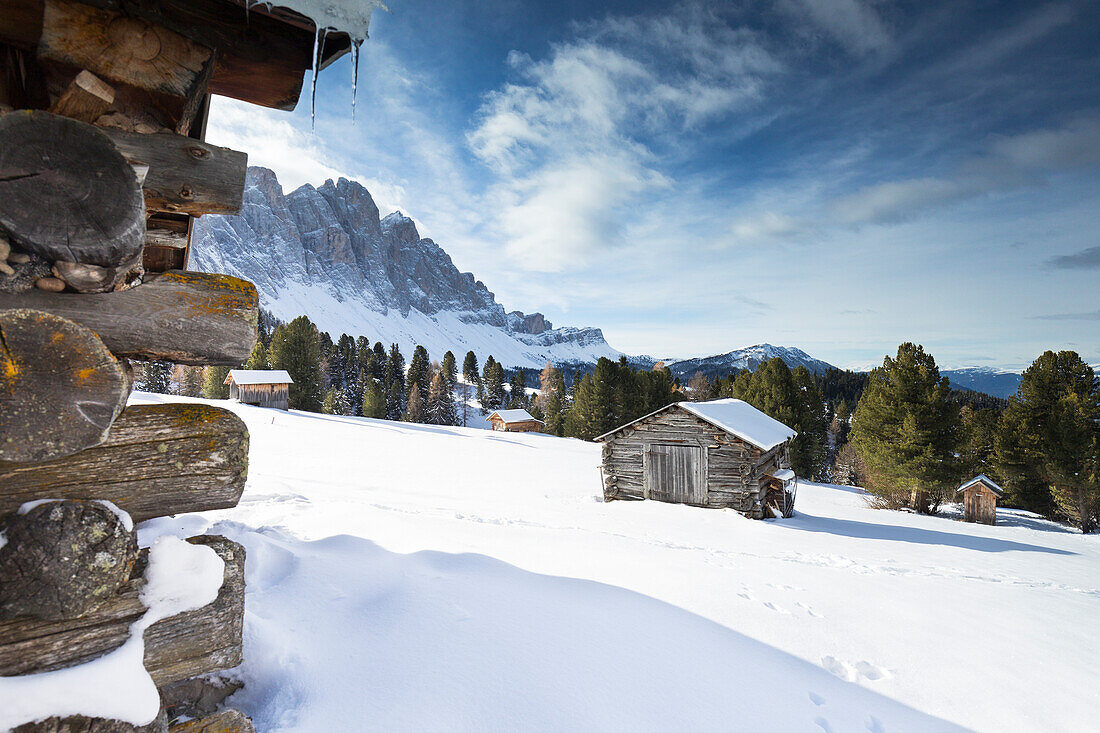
x=260, y=387
x=717, y=454
x=515, y=421
x=980, y=496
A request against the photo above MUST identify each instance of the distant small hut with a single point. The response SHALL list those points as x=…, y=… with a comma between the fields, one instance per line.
x=717, y=454
x=980, y=496
x=515, y=421
x=260, y=387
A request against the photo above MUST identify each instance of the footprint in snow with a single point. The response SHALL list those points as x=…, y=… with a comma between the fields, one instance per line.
x=836, y=667
x=816, y=699
x=871, y=672
x=874, y=725
x=809, y=611
x=777, y=609
x=824, y=724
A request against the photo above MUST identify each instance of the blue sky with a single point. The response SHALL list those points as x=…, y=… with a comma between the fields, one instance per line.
x=836, y=175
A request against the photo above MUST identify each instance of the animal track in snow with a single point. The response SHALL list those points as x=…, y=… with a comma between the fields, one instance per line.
x=852, y=672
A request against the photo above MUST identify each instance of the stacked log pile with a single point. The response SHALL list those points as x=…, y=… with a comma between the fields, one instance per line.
x=102, y=168
x=103, y=107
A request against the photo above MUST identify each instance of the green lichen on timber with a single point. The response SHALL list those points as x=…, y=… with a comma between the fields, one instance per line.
x=221, y=293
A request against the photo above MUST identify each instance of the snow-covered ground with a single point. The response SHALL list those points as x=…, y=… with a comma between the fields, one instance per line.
x=412, y=577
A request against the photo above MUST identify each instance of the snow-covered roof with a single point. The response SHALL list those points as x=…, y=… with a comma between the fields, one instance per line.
x=784, y=474
x=736, y=417
x=513, y=416
x=259, y=376
x=982, y=478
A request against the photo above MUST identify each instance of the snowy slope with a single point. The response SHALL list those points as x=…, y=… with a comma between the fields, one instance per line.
x=326, y=252
x=991, y=381
x=410, y=577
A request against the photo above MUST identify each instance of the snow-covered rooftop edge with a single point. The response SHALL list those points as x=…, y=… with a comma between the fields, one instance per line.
x=736, y=417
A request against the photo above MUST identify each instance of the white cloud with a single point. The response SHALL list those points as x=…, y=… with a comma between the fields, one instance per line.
x=571, y=142
x=849, y=22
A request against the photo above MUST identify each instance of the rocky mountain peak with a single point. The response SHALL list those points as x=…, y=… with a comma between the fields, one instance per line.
x=326, y=253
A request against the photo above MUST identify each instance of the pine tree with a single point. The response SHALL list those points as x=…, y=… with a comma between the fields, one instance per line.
x=213, y=382
x=374, y=399
x=156, y=376
x=441, y=403
x=554, y=415
x=414, y=410
x=469, y=367
x=191, y=381
x=493, y=378
x=593, y=410
x=450, y=370
x=295, y=347
x=904, y=428
x=378, y=369
x=808, y=450
x=518, y=389
x=394, y=381
x=257, y=359
x=1054, y=419
x=419, y=372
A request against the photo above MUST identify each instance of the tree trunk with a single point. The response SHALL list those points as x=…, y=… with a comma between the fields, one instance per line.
x=66, y=193
x=60, y=388
x=158, y=460
x=182, y=317
x=182, y=646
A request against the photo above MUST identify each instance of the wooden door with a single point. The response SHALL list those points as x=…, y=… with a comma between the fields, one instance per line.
x=675, y=473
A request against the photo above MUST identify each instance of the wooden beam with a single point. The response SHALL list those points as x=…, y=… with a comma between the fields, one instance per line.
x=121, y=48
x=48, y=202
x=85, y=99
x=158, y=460
x=183, y=317
x=63, y=559
x=227, y=721
x=176, y=648
x=60, y=388
x=185, y=175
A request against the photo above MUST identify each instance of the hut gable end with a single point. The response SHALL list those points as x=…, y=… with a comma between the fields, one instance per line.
x=676, y=456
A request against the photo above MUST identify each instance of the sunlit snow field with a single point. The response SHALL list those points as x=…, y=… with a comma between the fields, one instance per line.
x=412, y=577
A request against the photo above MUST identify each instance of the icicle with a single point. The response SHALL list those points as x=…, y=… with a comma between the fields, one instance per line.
x=313, y=81
x=354, y=74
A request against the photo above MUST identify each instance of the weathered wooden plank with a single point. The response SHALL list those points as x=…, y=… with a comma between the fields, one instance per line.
x=227, y=721
x=158, y=460
x=84, y=724
x=183, y=317
x=185, y=175
x=120, y=47
x=66, y=193
x=60, y=387
x=176, y=648
x=62, y=559
x=85, y=99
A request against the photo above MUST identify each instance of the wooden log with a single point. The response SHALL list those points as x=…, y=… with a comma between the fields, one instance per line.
x=66, y=193
x=85, y=99
x=83, y=724
x=63, y=559
x=227, y=721
x=60, y=388
x=120, y=48
x=93, y=278
x=185, y=175
x=197, y=697
x=158, y=460
x=176, y=648
x=182, y=317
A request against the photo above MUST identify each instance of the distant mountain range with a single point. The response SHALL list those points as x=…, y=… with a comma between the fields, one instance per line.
x=326, y=252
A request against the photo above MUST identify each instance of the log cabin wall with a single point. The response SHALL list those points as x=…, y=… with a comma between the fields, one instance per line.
x=733, y=472
x=980, y=505
x=262, y=395
x=528, y=426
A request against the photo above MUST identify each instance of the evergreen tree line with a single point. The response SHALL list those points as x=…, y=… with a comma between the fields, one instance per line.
x=912, y=443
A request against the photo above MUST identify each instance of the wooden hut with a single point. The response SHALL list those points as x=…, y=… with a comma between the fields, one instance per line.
x=260, y=387
x=717, y=454
x=980, y=496
x=515, y=421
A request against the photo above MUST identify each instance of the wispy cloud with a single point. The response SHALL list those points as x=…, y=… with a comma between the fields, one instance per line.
x=1086, y=259
x=570, y=143
x=852, y=23
x=1088, y=316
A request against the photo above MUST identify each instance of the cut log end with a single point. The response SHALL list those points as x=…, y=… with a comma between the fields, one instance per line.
x=60, y=388
x=66, y=193
x=63, y=559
